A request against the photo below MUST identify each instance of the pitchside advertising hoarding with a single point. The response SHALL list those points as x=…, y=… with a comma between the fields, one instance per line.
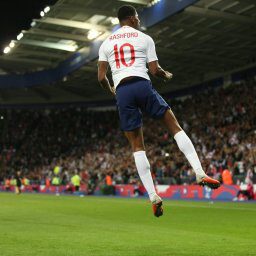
x=194, y=192
x=186, y=192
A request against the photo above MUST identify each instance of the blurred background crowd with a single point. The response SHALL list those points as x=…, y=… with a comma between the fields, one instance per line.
x=54, y=145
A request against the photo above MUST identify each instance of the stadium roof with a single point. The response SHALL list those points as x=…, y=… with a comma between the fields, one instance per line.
x=206, y=40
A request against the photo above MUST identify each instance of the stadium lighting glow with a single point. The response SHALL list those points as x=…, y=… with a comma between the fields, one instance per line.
x=114, y=21
x=47, y=9
x=153, y=2
x=92, y=34
x=19, y=36
x=12, y=44
x=33, y=23
x=7, y=49
x=42, y=14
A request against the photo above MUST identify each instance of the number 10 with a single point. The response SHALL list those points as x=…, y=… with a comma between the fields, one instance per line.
x=121, y=53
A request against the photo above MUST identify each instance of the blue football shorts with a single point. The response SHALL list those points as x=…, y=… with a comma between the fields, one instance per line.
x=136, y=96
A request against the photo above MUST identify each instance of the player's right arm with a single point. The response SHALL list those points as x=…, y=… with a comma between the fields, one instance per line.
x=102, y=71
x=153, y=65
x=102, y=76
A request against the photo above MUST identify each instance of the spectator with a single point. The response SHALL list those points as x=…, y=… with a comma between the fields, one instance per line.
x=7, y=184
x=75, y=180
x=227, y=177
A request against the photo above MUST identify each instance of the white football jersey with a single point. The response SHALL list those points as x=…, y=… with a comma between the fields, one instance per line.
x=127, y=51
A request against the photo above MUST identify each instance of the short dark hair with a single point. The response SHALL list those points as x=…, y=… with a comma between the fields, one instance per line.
x=125, y=11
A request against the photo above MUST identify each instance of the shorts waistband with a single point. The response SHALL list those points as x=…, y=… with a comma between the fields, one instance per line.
x=132, y=80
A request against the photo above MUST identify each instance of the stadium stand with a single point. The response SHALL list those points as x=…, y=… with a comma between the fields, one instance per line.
x=205, y=44
x=222, y=123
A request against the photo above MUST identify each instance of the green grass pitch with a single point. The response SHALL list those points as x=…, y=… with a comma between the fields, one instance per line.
x=47, y=225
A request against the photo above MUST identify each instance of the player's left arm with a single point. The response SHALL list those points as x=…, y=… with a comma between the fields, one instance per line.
x=102, y=76
x=156, y=70
x=152, y=60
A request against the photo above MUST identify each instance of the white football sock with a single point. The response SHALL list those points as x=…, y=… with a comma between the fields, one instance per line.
x=143, y=168
x=185, y=145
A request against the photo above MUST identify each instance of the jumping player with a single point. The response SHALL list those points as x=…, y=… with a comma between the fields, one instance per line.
x=128, y=51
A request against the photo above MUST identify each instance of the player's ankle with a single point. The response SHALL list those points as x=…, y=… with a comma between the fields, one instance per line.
x=152, y=196
x=155, y=199
x=200, y=173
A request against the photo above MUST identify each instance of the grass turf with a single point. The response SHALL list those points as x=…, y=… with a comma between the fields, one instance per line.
x=45, y=225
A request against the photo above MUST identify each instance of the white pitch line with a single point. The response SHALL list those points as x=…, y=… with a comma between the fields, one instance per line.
x=212, y=206
x=208, y=206
x=170, y=203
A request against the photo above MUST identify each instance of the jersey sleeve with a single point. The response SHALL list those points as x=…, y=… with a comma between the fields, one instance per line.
x=102, y=54
x=151, y=50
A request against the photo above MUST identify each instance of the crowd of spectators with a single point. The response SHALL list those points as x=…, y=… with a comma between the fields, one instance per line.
x=220, y=122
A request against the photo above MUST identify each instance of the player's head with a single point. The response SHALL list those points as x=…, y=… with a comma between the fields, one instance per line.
x=128, y=15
